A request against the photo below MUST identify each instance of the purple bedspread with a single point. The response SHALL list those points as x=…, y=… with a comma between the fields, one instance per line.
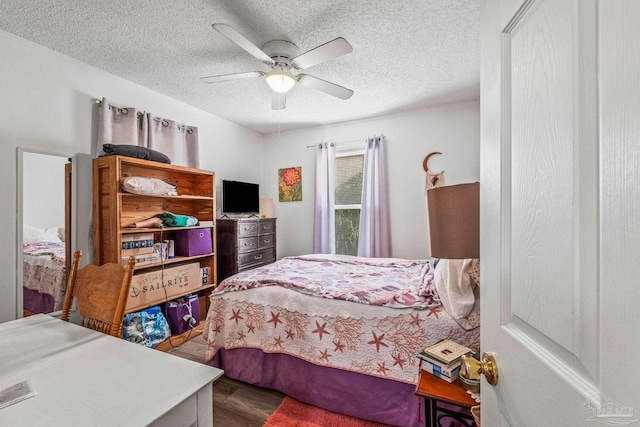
x=370, y=398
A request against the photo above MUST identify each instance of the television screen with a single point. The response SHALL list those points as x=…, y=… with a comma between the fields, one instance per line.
x=240, y=197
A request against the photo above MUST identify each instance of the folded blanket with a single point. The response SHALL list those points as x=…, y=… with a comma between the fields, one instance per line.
x=135, y=151
x=148, y=186
x=147, y=223
x=173, y=220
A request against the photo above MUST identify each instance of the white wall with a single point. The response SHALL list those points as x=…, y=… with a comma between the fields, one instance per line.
x=453, y=130
x=45, y=99
x=43, y=190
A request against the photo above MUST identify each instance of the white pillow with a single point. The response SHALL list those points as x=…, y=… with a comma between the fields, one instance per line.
x=148, y=186
x=32, y=235
x=455, y=287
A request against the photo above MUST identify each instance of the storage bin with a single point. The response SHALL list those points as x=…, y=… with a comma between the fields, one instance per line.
x=193, y=242
x=183, y=314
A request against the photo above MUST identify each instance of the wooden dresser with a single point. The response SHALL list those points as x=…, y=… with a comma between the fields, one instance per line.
x=244, y=243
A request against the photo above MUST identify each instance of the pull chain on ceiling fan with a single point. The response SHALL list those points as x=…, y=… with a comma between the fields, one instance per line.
x=282, y=56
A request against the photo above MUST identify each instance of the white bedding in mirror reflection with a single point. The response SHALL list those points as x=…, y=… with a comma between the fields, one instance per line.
x=43, y=256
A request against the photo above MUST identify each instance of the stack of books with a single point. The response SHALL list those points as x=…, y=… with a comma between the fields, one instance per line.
x=443, y=359
x=140, y=245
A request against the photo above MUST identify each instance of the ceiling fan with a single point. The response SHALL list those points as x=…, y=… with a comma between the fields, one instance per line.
x=282, y=56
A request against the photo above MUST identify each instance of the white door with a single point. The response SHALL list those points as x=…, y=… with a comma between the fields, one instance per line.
x=560, y=211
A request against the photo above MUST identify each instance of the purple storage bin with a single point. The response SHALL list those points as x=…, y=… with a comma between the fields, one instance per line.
x=176, y=311
x=193, y=242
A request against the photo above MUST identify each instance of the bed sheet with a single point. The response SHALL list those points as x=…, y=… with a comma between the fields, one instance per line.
x=43, y=270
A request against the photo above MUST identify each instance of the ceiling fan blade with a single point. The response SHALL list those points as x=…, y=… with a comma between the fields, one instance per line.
x=278, y=101
x=330, y=50
x=230, y=33
x=227, y=77
x=325, y=86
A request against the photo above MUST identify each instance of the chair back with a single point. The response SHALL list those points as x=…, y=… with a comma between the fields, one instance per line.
x=101, y=294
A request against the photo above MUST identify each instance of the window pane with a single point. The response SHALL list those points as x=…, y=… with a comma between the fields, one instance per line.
x=347, y=222
x=349, y=179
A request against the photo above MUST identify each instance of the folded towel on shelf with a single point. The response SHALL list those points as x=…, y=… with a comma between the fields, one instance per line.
x=174, y=220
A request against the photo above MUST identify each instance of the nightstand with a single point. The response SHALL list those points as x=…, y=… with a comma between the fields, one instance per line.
x=436, y=393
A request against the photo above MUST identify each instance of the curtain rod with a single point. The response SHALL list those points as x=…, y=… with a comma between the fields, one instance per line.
x=99, y=101
x=345, y=142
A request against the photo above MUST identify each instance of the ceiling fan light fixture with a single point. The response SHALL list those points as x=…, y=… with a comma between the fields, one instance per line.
x=280, y=81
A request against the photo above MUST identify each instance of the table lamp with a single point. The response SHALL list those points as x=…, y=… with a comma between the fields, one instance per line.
x=454, y=230
x=454, y=221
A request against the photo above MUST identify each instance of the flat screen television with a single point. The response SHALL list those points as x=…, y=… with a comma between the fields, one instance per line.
x=240, y=197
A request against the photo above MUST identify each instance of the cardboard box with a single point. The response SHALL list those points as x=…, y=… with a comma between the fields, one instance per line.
x=193, y=242
x=150, y=288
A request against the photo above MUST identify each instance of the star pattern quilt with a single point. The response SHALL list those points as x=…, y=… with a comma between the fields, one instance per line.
x=342, y=327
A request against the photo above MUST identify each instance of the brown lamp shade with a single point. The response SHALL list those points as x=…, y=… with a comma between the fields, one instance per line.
x=454, y=221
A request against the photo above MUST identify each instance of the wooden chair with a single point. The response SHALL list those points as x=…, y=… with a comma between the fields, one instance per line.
x=101, y=294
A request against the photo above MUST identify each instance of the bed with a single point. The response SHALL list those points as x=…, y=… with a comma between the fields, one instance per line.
x=43, y=270
x=338, y=332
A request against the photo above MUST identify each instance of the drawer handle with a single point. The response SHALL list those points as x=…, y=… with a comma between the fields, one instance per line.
x=266, y=240
x=257, y=257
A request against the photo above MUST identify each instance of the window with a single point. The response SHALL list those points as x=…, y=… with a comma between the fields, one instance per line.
x=348, y=194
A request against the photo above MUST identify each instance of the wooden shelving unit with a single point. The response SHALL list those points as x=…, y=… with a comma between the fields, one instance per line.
x=115, y=212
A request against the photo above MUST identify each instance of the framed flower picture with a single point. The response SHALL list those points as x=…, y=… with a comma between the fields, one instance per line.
x=290, y=184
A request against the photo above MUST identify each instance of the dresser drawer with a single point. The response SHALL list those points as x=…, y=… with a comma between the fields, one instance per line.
x=243, y=244
x=266, y=241
x=249, y=228
x=266, y=227
x=263, y=256
x=247, y=244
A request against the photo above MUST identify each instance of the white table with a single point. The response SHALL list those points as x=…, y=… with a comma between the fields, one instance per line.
x=86, y=378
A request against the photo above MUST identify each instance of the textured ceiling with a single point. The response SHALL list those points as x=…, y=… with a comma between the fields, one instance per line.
x=406, y=54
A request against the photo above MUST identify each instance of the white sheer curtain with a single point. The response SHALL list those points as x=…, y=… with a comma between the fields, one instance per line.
x=324, y=224
x=130, y=126
x=373, y=240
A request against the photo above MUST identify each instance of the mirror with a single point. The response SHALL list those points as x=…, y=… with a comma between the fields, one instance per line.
x=42, y=231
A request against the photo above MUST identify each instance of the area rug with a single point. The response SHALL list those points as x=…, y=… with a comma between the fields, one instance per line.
x=292, y=413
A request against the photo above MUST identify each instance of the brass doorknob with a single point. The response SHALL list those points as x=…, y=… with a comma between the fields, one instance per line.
x=471, y=368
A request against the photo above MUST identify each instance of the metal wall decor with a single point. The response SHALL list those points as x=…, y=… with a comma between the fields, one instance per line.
x=434, y=179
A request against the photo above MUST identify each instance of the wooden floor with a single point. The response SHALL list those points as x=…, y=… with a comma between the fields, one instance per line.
x=235, y=404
